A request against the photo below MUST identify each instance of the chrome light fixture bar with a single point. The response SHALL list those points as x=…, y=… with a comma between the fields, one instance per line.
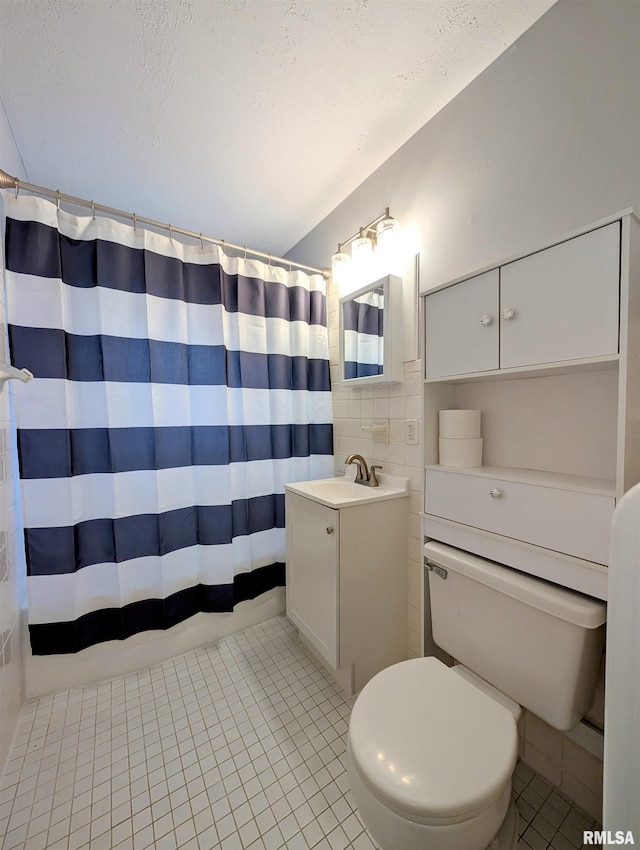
x=375, y=237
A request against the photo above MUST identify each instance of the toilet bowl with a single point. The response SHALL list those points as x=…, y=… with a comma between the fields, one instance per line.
x=430, y=757
x=432, y=748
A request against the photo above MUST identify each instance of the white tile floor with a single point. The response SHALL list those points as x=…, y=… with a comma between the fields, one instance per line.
x=238, y=746
x=547, y=818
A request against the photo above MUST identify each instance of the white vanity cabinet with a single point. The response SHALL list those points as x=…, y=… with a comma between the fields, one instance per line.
x=558, y=305
x=347, y=583
x=560, y=424
x=313, y=573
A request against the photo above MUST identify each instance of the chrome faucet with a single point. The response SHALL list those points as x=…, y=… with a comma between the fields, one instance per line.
x=364, y=475
x=363, y=470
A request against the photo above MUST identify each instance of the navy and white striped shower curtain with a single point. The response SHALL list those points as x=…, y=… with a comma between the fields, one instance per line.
x=177, y=390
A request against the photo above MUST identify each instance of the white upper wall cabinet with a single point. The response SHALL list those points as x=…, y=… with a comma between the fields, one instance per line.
x=462, y=327
x=556, y=306
x=562, y=304
x=559, y=404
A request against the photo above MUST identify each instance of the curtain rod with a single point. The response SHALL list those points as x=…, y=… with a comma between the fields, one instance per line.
x=9, y=182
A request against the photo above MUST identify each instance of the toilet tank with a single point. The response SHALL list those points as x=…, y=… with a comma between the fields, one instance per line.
x=538, y=643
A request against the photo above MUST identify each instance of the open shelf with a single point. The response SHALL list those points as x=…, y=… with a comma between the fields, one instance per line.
x=610, y=361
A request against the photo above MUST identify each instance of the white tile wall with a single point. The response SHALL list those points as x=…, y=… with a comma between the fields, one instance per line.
x=12, y=566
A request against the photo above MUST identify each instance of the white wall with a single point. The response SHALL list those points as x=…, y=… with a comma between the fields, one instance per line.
x=545, y=141
x=10, y=158
x=12, y=565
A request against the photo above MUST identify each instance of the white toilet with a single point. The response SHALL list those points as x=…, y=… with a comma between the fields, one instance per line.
x=432, y=749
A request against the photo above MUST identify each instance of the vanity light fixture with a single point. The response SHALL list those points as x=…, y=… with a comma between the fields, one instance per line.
x=375, y=240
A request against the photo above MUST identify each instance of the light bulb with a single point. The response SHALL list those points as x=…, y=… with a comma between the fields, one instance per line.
x=341, y=268
x=387, y=243
x=361, y=256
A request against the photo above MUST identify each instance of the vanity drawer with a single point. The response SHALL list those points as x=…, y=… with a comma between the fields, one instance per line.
x=570, y=521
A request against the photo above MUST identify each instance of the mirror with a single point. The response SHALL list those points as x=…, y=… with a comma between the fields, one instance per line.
x=364, y=335
x=369, y=324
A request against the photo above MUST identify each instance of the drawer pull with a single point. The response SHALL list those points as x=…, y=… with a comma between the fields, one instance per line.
x=486, y=319
x=508, y=313
x=329, y=530
x=495, y=493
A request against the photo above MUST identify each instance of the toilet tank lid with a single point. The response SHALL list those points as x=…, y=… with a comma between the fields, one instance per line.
x=561, y=602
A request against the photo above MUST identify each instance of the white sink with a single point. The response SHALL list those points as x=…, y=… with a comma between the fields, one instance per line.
x=340, y=492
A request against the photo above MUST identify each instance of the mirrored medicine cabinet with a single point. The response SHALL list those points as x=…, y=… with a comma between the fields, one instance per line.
x=370, y=334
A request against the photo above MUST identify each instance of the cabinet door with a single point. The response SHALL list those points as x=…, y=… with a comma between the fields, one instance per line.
x=313, y=533
x=562, y=303
x=462, y=327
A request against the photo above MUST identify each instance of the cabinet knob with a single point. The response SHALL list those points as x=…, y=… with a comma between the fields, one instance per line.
x=495, y=493
x=508, y=313
x=329, y=530
x=486, y=319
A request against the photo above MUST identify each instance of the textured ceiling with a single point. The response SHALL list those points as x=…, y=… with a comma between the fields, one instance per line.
x=244, y=119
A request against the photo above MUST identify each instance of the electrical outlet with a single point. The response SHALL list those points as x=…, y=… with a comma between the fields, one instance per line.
x=412, y=430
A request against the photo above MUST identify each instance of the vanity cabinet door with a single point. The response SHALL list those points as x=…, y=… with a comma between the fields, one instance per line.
x=562, y=303
x=313, y=573
x=462, y=327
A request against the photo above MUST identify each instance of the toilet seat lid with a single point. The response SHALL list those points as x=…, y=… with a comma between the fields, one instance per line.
x=431, y=743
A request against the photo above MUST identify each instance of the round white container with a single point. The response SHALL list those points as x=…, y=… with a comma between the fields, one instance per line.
x=460, y=452
x=460, y=424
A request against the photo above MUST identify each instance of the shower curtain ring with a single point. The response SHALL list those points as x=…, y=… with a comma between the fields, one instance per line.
x=170, y=233
x=58, y=201
x=201, y=242
x=134, y=221
x=17, y=185
x=93, y=210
